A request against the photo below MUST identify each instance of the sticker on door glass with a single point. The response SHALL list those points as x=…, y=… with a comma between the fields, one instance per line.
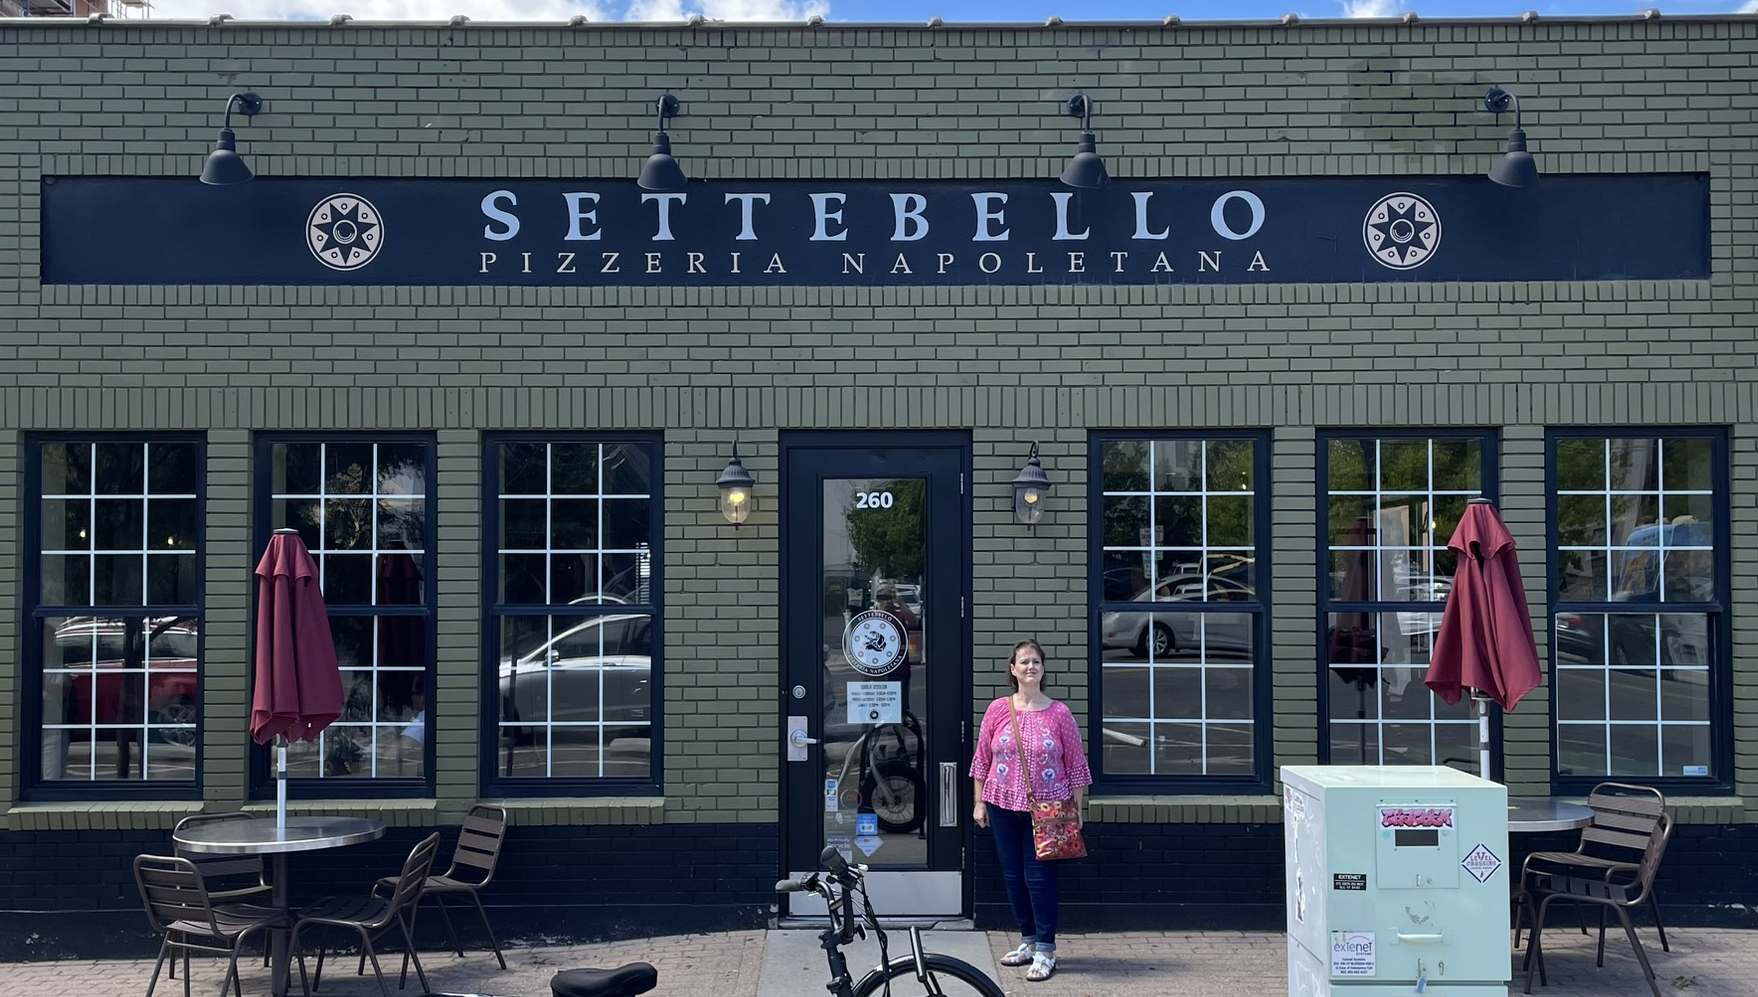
x=874, y=643
x=875, y=702
x=1481, y=863
x=1352, y=953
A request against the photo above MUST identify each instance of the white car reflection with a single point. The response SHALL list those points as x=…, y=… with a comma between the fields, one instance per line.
x=599, y=671
x=1166, y=634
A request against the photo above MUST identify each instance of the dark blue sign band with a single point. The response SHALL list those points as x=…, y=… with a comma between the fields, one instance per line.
x=133, y=230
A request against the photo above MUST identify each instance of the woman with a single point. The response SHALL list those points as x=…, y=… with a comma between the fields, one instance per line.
x=1058, y=767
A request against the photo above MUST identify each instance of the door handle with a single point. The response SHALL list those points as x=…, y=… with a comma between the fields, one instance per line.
x=949, y=809
x=796, y=740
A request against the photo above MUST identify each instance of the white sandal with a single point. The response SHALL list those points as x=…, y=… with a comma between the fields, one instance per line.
x=1020, y=956
x=1043, y=965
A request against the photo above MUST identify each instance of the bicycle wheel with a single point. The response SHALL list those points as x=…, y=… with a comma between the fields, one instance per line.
x=946, y=976
x=896, y=797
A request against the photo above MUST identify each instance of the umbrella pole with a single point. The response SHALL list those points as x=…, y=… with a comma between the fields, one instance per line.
x=281, y=784
x=1482, y=736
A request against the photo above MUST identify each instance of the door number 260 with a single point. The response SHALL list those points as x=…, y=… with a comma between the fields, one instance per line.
x=873, y=500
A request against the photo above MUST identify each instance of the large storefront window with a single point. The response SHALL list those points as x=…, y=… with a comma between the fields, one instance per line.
x=115, y=613
x=1639, y=595
x=363, y=507
x=1389, y=505
x=1180, y=609
x=573, y=529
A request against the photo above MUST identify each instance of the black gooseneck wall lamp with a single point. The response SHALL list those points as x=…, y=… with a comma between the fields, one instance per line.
x=661, y=171
x=1085, y=168
x=1030, y=489
x=1516, y=169
x=224, y=166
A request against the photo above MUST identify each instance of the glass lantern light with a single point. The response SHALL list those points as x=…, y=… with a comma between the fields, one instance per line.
x=735, y=490
x=1030, y=489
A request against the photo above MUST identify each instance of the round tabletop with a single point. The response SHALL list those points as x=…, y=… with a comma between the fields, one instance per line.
x=1542, y=813
x=260, y=836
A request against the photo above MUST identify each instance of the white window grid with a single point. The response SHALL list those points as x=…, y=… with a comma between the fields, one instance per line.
x=547, y=725
x=153, y=734
x=1404, y=622
x=1152, y=718
x=1610, y=727
x=376, y=738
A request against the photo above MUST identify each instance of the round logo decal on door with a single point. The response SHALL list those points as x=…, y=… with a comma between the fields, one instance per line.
x=1402, y=231
x=875, y=643
x=344, y=232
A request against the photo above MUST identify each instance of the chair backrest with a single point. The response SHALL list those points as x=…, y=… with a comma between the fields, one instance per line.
x=172, y=889
x=1624, y=817
x=479, y=845
x=411, y=880
x=1649, y=867
x=221, y=870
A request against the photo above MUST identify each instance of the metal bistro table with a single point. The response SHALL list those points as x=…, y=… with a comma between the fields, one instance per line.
x=262, y=837
x=1533, y=814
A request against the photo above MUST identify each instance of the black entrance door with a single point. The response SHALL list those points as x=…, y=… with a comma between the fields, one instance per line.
x=876, y=677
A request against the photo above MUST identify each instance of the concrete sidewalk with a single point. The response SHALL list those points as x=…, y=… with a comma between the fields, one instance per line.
x=1703, y=963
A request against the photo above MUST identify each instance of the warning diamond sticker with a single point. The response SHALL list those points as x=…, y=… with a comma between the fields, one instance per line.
x=1481, y=863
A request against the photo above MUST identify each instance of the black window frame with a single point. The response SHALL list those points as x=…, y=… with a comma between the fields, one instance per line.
x=1490, y=440
x=261, y=775
x=492, y=610
x=32, y=786
x=1722, y=734
x=1262, y=681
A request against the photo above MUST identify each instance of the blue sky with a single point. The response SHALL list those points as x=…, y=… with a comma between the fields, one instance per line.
x=915, y=11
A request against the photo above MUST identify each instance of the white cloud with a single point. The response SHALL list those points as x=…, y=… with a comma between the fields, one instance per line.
x=1750, y=7
x=1377, y=8
x=551, y=11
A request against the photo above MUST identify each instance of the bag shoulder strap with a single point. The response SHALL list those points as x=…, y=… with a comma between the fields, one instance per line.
x=1025, y=771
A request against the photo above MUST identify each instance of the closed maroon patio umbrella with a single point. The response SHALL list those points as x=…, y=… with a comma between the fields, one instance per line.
x=297, y=690
x=1485, y=643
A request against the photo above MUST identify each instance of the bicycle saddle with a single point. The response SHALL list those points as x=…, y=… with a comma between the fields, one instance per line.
x=623, y=981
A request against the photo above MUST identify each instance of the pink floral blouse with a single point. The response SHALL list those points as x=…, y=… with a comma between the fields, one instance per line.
x=1053, y=750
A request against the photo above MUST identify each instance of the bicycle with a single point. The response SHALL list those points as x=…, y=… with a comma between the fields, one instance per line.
x=890, y=779
x=919, y=974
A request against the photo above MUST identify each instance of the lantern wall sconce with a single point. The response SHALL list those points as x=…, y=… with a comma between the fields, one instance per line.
x=1085, y=168
x=735, y=490
x=1516, y=169
x=224, y=166
x=662, y=172
x=1030, y=489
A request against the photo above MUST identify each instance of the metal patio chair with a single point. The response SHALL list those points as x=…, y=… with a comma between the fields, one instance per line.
x=472, y=869
x=230, y=878
x=179, y=907
x=1600, y=891
x=1625, y=817
x=371, y=917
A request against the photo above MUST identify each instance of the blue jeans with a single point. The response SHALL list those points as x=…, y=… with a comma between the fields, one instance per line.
x=1031, y=885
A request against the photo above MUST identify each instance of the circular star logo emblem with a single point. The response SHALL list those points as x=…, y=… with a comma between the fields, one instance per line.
x=1402, y=231
x=875, y=643
x=345, y=232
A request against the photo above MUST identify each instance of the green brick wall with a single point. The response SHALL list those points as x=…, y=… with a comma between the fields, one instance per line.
x=1010, y=364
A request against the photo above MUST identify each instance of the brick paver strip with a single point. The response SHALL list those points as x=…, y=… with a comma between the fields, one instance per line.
x=1704, y=963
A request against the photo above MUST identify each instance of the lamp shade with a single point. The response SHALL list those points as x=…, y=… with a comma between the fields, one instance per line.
x=661, y=172
x=1517, y=168
x=1085, y=168
x=735, y=485
x=1030, y=489
x=224, y=165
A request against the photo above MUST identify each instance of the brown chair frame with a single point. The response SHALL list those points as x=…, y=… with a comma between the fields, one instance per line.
x=473, y=864
x=371, y=917
x=179, y=907
x=1602, y=892
x=1624, y=819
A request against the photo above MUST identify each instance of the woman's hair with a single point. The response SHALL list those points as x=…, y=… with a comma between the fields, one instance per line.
x=1012, y=680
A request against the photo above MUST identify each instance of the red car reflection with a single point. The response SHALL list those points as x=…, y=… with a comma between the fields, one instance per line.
x=99, y=667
